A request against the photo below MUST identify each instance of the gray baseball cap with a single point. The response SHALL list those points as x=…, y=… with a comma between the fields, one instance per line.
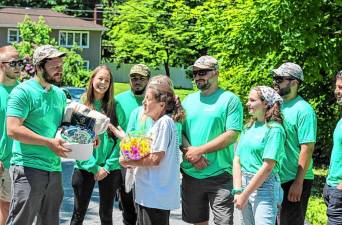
x=289, y=70
x=205, y=63
x=140, y=69
x=45, y=52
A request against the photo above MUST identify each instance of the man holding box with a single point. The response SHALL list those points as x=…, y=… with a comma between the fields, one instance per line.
x=35, y=111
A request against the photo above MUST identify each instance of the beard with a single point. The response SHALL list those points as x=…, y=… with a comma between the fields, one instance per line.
x=282, y=91
x=203, y=86
x=139, y=92
x=50, y=79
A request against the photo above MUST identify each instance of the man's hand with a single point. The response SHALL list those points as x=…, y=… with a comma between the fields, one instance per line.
x=192, y=154
x=101, y=174
x=295, y=192
x=56, y=145
x=2, y=168
x=339, y=187
x=201, y=163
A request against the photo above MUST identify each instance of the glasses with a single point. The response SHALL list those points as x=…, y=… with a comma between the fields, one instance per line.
x=278, y=80
x=15, y=63
x=200, y=73
x=138, y=78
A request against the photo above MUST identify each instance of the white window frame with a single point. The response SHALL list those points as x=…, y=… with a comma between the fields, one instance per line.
x=73, y=38
x=86, y=62
x=8, y=35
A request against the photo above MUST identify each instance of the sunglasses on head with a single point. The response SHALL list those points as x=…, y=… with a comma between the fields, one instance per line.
x=15, y=63
x=200, y=73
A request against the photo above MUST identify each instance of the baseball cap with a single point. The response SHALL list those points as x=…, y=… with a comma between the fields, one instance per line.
x=205, y=63
x=140, y=69
x=45, y=52
x=289, y=70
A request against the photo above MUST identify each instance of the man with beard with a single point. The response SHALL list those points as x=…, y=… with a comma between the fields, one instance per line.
x=35, y=111
x=300, y=124
x=212, y=125
x=10, y=68
x=126, y=102
x=333, y=187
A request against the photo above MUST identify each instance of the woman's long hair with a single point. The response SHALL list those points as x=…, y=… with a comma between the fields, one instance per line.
x=162, y=88
x=272, y=113
x=107, y=102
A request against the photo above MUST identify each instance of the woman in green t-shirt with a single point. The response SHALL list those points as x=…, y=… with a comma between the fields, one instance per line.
x=103, y=166
x=257, y=191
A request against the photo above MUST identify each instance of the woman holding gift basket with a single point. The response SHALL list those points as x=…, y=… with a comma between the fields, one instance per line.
x=103, y=165
x=157, y=183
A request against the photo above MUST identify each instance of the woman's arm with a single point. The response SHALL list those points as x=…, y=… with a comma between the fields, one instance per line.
x=236, y=172
x=258, y=179
x=152, y=159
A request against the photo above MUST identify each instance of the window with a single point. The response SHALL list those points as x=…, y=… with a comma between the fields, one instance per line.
x=69, y=38
x=86, y=64
x=13, y=36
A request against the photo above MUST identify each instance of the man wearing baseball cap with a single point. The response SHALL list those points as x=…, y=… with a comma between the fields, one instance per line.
x=212, y=125
x=300, y=124
x=126, y=102
x=35, y=110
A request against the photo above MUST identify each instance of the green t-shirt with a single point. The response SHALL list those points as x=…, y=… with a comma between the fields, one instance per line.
x=42, y=112
x=104, y=155
x=335, y=169
x=207, y=117
x=5, y=141
x=261, y=141
x=125, y=103
x=300, y=125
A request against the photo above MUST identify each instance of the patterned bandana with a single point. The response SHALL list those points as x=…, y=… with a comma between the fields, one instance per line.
x=270, y=95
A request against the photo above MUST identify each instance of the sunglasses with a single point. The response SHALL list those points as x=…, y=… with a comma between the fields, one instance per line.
x=278, y=80
x=200, y=73
x=13, y=64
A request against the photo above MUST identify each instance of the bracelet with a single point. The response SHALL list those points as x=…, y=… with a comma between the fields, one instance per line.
x=236, y=191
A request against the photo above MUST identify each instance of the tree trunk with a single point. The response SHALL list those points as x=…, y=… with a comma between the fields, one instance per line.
x=166, y=64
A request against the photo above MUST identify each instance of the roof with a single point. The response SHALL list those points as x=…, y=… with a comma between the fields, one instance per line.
x=10, y=17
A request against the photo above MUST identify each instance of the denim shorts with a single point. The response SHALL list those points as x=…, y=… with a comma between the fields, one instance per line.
x=263, y=203
x=333, y=200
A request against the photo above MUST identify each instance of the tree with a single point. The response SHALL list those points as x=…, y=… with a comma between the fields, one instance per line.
x=151, y=32
x=37, y=33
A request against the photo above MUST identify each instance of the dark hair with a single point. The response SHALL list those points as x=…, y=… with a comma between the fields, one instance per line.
x=108, y=102
x=162, y=88
x=272, y=113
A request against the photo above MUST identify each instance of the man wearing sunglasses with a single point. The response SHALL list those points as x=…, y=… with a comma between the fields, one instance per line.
x=10, y=68
x=300, y=124
x=212, y=125
x=126, y=102
x=35, y=111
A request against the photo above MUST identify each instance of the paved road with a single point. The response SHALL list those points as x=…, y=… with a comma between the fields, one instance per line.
x=92, y=216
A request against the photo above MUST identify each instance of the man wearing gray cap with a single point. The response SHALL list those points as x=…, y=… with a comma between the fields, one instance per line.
x=212, y=125
x=300, y=124
x=126, y=102
x=35, y=110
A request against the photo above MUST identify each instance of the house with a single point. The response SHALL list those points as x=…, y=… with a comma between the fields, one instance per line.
x=66, y=30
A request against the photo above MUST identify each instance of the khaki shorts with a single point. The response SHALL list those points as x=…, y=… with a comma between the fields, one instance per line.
x=5, y=186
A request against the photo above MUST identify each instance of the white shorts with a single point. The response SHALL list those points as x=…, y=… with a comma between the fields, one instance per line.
x=5, y=186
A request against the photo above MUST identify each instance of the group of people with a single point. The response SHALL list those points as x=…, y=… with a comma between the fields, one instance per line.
x=257, y=172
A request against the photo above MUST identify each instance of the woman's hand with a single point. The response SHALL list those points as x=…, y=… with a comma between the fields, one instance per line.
x=118, y=132
x=96, y=142
x=240, y=200
x=123, y=162
x=101, y=174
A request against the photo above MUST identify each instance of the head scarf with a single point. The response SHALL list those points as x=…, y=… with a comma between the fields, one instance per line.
x=270, y=95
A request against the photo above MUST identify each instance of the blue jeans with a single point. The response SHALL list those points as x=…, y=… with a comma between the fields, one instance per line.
x=333, y=200
x=262, y=206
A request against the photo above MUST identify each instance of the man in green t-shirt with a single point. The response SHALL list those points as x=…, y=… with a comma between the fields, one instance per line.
x=212, y=124
x=126, y=102
x=35, y=111
x=300, y=124
x=333, y=189
x=10, y=68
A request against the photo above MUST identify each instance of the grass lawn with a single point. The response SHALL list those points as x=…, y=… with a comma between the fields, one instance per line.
x=121, y=87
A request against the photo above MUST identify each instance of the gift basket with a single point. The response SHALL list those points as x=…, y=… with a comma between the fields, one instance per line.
x=79, y=129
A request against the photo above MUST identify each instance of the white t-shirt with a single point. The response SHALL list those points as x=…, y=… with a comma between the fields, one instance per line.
x=159, y=186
